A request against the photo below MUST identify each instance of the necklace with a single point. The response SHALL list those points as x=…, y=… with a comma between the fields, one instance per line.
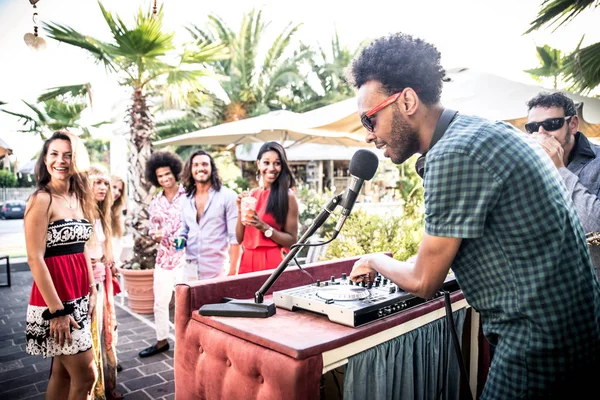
x=68, y=202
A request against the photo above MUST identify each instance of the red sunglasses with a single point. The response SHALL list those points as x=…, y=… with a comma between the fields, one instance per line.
x=366, y=117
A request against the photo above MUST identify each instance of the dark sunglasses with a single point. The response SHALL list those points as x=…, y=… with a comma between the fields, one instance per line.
x=549, y=125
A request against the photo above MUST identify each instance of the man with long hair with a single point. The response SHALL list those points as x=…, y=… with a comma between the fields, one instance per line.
x=209, y=218
x=163, y=170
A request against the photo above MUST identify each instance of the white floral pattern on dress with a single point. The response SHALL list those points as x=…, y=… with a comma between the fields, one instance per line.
x=68, y=231
x=37, y=331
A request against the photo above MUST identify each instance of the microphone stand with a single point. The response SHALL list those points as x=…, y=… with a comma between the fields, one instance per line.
x=259, y=308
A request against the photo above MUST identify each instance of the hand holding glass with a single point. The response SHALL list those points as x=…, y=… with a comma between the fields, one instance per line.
x=248, y=208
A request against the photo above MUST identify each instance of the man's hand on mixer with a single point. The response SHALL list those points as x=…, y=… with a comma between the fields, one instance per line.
x=365, y=268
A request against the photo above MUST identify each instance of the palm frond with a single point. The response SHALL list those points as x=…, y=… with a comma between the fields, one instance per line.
x=62, y=114
x=286, y=73
x=559, y=12
x=245, y=49
x=81, y=90
x=96, y=48
x=205, y=52
x=180, y=87
x=201, y=35
x=27, y=121
x=40, y=114
x=145, y=40
x=223, y=32
x=582, y=68
x=279, y=46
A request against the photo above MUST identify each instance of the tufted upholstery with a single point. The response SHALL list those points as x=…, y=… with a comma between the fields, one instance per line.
x=213, y=364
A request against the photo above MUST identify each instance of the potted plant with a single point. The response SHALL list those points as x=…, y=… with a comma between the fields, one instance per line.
x=138, y=278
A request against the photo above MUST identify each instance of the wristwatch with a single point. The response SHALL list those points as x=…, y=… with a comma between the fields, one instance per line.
x=269, y=232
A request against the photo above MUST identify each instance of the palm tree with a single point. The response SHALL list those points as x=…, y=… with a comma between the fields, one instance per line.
x=254, y=85
x=58, y=108
x=143, y=58
x=551, y=61
x=582, y=67
x=328, y=69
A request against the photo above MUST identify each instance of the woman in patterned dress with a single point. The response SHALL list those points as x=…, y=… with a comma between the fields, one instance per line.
x=63, y=296
x=273, y=227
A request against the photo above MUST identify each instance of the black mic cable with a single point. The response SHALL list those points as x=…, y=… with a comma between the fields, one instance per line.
x=454, y=335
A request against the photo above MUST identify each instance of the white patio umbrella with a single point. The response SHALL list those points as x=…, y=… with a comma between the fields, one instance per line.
x=282, y=126
x=28, y=167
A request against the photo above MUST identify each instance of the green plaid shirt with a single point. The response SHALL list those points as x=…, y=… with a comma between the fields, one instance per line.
x=524, y=263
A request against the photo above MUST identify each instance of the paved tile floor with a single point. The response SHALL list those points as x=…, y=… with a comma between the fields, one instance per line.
x=25, y=377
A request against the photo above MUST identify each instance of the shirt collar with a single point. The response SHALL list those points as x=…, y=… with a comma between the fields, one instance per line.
x=582, y=147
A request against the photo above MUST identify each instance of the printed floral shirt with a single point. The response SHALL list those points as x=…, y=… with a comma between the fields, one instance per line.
x=166, y=215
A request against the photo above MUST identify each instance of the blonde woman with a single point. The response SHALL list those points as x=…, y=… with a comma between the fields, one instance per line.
x=117, y=222
x=100, y=251
x=63, y=296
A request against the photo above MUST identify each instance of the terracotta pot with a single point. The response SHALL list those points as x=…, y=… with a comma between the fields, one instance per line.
x=139, y=284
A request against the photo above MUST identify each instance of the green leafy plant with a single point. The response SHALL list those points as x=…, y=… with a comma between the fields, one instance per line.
x=581, y=67
x=7, y=179
x=310, y=204
x=365, y=233
x=400, y=234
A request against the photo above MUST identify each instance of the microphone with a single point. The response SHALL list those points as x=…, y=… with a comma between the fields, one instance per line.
x=363, y=166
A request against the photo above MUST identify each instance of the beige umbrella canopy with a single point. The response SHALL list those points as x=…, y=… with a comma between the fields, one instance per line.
x=497, y=98
x=282, y=126
x=470, y=92
x=5, y=149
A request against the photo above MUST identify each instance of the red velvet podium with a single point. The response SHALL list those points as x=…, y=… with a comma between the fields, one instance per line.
x=283, y=356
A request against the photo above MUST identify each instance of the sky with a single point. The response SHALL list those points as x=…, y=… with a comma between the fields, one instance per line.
x=479, y=34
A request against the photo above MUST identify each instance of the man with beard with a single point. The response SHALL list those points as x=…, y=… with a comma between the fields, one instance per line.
x=554, y=123
x=162, y=170
x=209, y=218
x=498, y=213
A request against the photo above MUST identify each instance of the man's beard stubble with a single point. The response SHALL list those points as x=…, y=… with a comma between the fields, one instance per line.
x=203, y=181
x=404, y=140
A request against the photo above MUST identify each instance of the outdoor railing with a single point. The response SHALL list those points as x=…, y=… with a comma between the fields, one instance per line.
x=15, y=194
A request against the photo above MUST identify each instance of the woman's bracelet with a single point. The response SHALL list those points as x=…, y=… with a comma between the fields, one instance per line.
x=67, y=310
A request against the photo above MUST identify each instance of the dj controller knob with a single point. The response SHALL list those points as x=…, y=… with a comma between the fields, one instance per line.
x=332, y=278
x=344, y=276
x=318, y=283
x=376, y=283
x=370, y=285
x=385, y=281
x=363, y=284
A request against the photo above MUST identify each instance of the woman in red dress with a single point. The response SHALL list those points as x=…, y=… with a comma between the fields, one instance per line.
x=273, y=227
x=63, y=296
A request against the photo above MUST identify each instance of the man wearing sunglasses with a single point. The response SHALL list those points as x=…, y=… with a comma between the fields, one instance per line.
x=497, y=213
x=553, y=122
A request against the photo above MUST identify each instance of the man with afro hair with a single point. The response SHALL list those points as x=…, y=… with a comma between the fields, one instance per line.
x=498, y=213
x=162, y=171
